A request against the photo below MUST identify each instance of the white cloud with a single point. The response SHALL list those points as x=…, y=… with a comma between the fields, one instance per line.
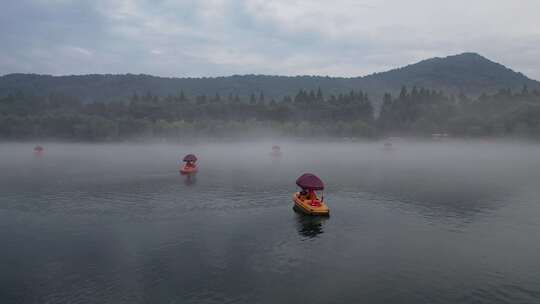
x=223, y=37
x=75, y=50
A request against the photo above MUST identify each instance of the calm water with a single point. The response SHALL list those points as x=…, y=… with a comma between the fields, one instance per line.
x=425, y=223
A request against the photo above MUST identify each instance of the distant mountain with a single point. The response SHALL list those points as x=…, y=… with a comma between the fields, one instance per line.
x=469, y=73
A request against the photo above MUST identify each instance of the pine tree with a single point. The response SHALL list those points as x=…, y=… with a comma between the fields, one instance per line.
x=135, y=97
x=525, y=91
x=414, y=93
x=182, y=96
x=403, y=94
x=319, y=95
x=311, y=97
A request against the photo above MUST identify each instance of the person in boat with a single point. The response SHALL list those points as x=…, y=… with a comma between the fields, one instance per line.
x=190, y=160
x=311, y=195
x=306, y=194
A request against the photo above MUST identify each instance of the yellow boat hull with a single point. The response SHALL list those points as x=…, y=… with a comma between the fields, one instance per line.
x=306, y=207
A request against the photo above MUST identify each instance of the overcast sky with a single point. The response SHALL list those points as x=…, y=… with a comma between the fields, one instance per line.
x=285, y=37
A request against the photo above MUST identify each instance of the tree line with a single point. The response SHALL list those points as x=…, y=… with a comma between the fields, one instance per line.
x=414, y=112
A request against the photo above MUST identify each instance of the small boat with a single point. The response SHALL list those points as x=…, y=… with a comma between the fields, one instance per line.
x=276, y=151
x=38, y=150
x=388, y=146
x=190, y=166
x=307, y=201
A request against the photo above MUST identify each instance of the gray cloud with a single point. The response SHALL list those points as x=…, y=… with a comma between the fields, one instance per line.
x=291, y=37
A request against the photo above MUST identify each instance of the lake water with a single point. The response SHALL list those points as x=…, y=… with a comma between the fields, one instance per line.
x=442, y=222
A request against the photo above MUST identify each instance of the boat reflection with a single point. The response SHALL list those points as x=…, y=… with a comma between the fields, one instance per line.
x=191, y=179
x=309, y=226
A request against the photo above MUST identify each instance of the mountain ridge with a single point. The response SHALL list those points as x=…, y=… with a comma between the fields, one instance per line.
x=468, y=73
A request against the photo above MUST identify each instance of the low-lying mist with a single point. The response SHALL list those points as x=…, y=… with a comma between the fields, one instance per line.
x=442, y=173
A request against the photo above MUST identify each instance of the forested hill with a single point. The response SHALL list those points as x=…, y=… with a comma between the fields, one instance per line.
x=469, y=73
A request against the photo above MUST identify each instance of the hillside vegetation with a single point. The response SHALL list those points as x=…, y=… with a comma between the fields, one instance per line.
x=468, y=73
x=413, y=112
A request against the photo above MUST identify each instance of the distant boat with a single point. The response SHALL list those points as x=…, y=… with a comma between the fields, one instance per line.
x=38, y=150
x=190, y=166
x=276, y=151
x=439, y=136
x=388, y=146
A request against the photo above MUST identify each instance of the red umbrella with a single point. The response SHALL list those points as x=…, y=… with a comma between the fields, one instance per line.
x=38, y=148
x=276, y=148
x=190, y=158
x=310, y=181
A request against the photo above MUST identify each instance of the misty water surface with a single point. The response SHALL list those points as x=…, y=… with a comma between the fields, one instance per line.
x=447, y=222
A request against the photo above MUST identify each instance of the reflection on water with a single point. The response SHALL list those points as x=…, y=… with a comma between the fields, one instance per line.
x=190, y=179
x=426, y=223
x=309, y=226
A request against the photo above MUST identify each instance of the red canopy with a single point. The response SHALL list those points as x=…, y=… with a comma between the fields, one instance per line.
x=310, y=181
x=190, y=158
